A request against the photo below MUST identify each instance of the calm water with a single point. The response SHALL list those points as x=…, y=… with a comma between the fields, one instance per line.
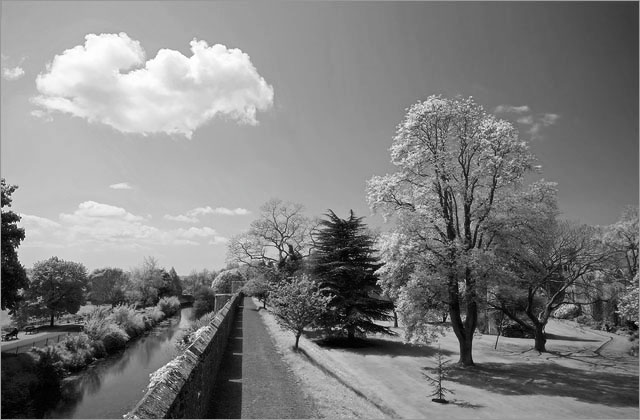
x=114, y=386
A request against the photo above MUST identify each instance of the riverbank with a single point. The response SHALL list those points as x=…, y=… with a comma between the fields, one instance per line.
x=32, y=381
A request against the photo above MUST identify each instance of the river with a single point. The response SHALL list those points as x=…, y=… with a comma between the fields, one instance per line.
x=111, y=387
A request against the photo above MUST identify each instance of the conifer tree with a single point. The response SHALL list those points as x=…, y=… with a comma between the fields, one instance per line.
x=441, y=372
x=344, y=266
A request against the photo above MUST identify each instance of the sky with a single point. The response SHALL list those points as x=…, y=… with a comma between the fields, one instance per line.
x=158, y=129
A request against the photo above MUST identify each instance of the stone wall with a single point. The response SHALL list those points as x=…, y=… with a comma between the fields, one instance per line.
x=185, y=384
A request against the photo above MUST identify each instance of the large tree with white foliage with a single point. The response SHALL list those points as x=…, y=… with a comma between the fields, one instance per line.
x=455, y=163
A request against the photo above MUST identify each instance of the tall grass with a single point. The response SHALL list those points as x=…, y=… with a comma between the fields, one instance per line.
x=129, y=319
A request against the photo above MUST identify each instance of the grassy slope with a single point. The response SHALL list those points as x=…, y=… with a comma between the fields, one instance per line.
x=332, y=399
x=586, y=374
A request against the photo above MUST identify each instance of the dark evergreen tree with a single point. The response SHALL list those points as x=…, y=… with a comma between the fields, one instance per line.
x=344, y=266
x=14, y=276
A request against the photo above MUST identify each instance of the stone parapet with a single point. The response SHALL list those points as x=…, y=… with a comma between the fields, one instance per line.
x=186, y=384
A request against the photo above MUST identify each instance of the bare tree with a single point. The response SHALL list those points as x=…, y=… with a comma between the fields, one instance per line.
x=281, y=233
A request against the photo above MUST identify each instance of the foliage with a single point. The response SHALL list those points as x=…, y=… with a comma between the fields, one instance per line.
x=192, y=333
x=107, y=285
x=169, y=305
x=541, y=269
x=204, y=301
x=104, y=331
x=567, y=311
x=259, y=288
x=281, y=233
x=146, y=281
x=131, y=321
x=298, y=303
x=14, y=277
x=344, y=266
x=628, y=307
x=196, y=279
x=222, y=282
x=441, y=371
x=455, y=165
x=56, y=287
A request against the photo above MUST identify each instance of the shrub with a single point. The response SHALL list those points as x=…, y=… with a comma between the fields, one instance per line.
x=204, y=301
x=131, y=321
x=115, y=339
x=189, y=336
x=169, y=305
x=222, y=282
x=567, y=311
x=152, y=316
x=514, y=330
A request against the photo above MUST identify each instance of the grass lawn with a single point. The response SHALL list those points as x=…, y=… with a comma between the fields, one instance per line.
x=585, y=374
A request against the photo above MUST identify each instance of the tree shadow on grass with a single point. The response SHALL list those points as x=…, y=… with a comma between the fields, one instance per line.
x=606, y=388
x=567, y=338
x=380, y=347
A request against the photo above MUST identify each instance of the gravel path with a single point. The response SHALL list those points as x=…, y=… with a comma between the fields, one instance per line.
x=254, y=381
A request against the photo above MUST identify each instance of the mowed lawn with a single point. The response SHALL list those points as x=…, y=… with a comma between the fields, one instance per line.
x=586, y=374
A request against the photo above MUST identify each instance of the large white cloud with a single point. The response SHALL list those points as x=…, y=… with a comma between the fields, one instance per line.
x=108, y=80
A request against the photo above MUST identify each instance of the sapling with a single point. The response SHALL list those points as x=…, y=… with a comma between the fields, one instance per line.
x=440, y=372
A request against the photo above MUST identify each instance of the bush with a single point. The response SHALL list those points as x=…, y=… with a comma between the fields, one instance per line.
x=129, y=319
x=188, y=336
x=115, y=339
x=514, y=330
x=152, y=316
x=169, y=305
x=567, y=311
x=222, y=282
x=204, y=301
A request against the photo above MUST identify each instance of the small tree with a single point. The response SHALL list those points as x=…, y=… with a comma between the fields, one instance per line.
x=258, y=287
x=222, y=282
x=297, y=303
x=441, y=371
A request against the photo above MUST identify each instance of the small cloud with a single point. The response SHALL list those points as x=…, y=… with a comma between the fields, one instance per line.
x=549, y=119
x=37, y=113
x=121, y=186
x=219, y=240
x=181, y=218
x=110, y=80
x=535, y=123
x=10, y=72
x=218, y=210
x=503, y=109
x=13, y=73
x=192, y=215
x=525, y=120
x=195, y=232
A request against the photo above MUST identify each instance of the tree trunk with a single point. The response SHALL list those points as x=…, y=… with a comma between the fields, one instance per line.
x=297, y=340
x=351, y=332
x=540, y=338
x=465, y=339
x=52, y=319
x=395, y=319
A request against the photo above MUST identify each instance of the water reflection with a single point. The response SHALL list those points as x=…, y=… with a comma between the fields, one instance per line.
x=111, y=387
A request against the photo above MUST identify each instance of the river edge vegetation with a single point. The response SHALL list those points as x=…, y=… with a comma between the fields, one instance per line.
x=31, y=381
